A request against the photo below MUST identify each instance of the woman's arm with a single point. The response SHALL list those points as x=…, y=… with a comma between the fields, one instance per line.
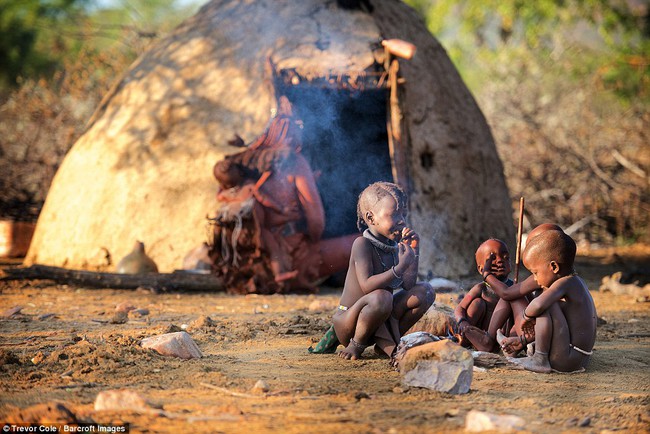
x=310, y=200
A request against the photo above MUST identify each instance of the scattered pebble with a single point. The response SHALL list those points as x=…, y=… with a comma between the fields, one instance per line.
x=633, y=320
x=202, y=322
x=11, y=312
x=585, y=422
x=452, y=412
x=477, y=421
x=120, y=317
x=38, y=358
x=139, y=313
x=261, y=386
x=178, y=344
x=120, y=400
x=125, y=306
x=361, y=395
x=45, y=316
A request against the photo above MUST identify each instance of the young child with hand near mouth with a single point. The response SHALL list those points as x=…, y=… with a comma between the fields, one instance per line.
x=381, y=297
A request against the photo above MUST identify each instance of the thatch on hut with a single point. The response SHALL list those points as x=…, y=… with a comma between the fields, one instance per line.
x=143, y=169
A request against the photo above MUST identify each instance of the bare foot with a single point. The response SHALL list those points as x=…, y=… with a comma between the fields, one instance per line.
x=281, y=277
x=510, y=345
x=353, y=351
x=480, y=339
x=538, y=362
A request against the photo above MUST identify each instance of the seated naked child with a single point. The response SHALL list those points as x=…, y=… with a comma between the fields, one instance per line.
x=475, y=310
x=384, y=260
x=238, y=187
x=562, y=319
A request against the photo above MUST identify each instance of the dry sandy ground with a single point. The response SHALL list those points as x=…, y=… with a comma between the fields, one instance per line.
x=79, y=353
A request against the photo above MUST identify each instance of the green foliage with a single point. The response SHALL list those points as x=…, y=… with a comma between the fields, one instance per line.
x=610, y=35
x=38, y=36
x=31, y=40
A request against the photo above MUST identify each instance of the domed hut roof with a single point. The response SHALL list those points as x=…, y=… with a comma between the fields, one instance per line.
x=143, y=168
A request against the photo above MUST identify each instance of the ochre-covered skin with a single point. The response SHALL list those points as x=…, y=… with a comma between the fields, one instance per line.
x=279, y=242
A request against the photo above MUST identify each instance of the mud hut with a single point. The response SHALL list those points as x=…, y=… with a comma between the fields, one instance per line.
x=142, y=169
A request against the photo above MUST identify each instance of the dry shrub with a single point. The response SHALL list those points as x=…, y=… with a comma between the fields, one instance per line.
x=578, y=155
x=41, y=120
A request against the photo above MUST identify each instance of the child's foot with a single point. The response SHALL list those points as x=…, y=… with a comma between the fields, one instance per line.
x=281, y=277
x=353, y=351
x=510, y=345
x=480, y=339
x=538, y=362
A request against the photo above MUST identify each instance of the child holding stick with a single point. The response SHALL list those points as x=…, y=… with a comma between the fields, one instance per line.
x=562, y=319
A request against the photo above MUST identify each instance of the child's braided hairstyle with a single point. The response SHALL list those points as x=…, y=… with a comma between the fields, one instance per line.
x=374, y=193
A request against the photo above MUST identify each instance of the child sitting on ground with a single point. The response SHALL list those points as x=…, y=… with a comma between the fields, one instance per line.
x=513, y=300
x=562, y=319
x=475, y=310
x=382, y=261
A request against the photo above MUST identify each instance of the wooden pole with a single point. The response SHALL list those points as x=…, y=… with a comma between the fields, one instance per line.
x=180, y=280
x=519, y=232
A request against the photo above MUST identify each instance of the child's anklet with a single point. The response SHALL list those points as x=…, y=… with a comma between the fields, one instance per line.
x=357, y=345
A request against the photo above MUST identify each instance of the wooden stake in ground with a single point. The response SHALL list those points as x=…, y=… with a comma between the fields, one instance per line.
x=519, y=231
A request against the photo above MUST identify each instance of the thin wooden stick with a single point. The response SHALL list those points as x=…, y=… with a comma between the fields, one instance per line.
x=230, y=392
x=519, y=231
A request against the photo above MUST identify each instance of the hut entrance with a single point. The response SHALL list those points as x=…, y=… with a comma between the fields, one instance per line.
x=346, y=142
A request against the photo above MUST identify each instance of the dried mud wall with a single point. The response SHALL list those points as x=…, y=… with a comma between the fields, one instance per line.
x=143, y=169
x=459, y=196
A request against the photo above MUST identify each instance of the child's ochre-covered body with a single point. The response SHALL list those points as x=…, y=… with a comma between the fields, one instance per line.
x=475, y=311
x=561, y=321
x=384, y=260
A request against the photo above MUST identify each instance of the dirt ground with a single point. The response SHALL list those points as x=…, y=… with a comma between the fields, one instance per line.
x=62, y=347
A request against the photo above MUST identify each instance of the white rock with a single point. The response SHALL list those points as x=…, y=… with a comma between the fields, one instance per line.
x=261, y=386
x=442, y=366
x=477, y=421
x=178, y=344
x=120, y=400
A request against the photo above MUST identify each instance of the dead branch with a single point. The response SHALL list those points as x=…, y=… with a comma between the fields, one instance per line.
x=161, y=281
x=629, y=165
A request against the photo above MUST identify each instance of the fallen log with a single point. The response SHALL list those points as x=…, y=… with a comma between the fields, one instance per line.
x=178, y=280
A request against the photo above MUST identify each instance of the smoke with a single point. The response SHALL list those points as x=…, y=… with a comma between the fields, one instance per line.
x=345, y=141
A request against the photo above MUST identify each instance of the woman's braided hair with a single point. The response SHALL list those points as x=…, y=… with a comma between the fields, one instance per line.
x=373, y=194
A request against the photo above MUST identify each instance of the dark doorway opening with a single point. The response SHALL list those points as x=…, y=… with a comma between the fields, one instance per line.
x=346, y=142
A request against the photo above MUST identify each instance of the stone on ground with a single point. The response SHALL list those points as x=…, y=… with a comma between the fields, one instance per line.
x=442, y=366
x=120, y=400
x=438, y=321
x=178, y=344
x=478, y=421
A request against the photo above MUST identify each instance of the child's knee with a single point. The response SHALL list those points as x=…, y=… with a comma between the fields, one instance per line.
x=381, y=301
x=477, y=306
x=425, y=293
x=428, y=294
